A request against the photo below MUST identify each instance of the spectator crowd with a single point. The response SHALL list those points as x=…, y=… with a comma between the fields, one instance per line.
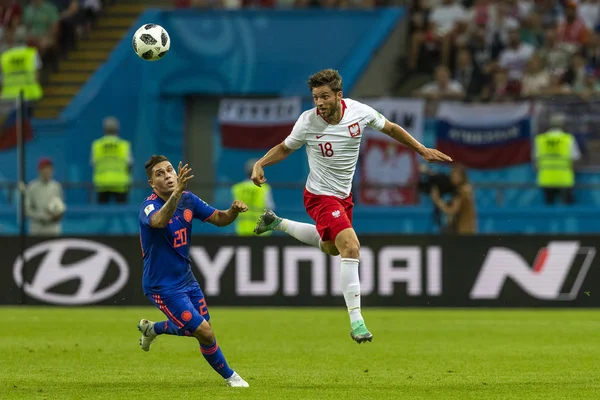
x=52, y=27
x=502, y=50
x=235, y=4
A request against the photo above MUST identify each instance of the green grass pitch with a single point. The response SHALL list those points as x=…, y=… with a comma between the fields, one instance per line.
x=93, y=353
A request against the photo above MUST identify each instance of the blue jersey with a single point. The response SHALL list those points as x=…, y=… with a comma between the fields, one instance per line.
x=166, y=251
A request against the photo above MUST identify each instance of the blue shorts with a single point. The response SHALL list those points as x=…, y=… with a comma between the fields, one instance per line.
x=186, y=308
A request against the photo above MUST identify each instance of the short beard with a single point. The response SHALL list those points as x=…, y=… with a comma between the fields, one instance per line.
x=336, y=109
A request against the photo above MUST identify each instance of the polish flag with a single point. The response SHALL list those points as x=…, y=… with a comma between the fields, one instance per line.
x=257, y=123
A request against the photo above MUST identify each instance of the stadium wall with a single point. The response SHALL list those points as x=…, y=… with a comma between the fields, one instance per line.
x=417, y=271
x=385, y=63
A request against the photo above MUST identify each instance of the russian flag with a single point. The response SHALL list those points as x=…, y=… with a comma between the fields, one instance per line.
x=485, y=136
x=257, y=123
x=8, y=128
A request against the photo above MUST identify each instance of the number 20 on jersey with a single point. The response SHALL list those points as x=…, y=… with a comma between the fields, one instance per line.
x=180, y=238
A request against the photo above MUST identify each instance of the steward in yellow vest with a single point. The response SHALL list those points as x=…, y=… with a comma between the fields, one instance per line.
x=256, y=198
x=20, y=73
x=555, y=151
x=112, y=161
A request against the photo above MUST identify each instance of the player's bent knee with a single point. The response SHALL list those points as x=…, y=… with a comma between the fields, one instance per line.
x=204, y=333
x=352, y=250
x=348, y=244
x=329, y=248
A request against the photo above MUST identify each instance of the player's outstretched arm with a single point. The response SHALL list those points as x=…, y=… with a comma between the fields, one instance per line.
x=273, y=156
x=224, y=218
x=161, y=218
x=400, y=135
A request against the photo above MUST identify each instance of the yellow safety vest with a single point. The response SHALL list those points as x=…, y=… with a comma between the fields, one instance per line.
x=110, y=156
x=19, y=73
x=256, y=199
x=554, y=163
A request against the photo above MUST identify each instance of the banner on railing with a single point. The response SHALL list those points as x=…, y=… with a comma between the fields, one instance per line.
x=582, y=119
x=408, y=113
x=428, y=271
x=485, y=136
x=257, y=123
x=388, y=173
x=389, y=170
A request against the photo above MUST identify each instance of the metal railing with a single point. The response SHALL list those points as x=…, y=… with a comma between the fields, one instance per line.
x=501, y=188
x=9, y=190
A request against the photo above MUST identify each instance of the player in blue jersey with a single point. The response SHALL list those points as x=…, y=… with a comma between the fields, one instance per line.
x=165, y=228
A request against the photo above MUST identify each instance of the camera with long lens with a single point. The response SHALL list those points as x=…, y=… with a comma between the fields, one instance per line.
x=429, y=179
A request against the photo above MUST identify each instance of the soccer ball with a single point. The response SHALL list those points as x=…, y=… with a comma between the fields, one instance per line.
x=56, y=206
x=151, y=42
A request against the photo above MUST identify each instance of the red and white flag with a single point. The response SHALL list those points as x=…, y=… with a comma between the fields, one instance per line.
x=257, y=123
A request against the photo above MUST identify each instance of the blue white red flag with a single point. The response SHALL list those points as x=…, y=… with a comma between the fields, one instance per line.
x=485, y=136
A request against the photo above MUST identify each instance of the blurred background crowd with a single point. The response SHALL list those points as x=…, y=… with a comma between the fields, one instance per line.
x=475, y=52
x=52, y=27
x=502, y=50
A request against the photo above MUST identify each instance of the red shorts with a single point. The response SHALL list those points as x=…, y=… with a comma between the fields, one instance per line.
x=331, y=213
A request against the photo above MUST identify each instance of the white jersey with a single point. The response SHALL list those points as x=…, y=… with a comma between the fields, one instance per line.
x=333, y=149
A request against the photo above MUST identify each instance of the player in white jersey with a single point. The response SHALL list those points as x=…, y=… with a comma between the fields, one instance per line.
x=332, y=132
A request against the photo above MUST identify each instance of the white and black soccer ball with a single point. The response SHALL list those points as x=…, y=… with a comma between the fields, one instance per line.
x=151, y=42
x=56, y=206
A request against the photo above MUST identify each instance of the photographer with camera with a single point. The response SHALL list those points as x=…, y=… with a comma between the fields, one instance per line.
x=428, y=179
x=460, y=210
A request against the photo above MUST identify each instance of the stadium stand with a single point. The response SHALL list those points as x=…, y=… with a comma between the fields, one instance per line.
x=85, y=46
x=485, y=51
x=517, y=49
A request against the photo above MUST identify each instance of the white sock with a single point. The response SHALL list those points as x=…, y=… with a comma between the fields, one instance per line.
x=351, y=287
x=306, y=233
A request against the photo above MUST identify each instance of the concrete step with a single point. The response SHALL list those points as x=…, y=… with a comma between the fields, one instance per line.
x=87, y=45
x=89, y=55
x=125, y=9
x=61, y=90
x=47, y=112
x=55, y=101
x=69, y=77
x=116, y=22
x=79, y=66
x=108, y=34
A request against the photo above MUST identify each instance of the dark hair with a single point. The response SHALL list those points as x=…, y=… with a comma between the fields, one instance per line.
x=327, y=77
x=155, y=159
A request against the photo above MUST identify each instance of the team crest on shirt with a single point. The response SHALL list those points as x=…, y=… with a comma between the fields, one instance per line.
x=354, y=129
x=186, y=315
x=336, y=214
x=188, y=215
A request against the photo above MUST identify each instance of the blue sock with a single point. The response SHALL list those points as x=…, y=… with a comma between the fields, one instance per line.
x=213, y=354
x=166, y=327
